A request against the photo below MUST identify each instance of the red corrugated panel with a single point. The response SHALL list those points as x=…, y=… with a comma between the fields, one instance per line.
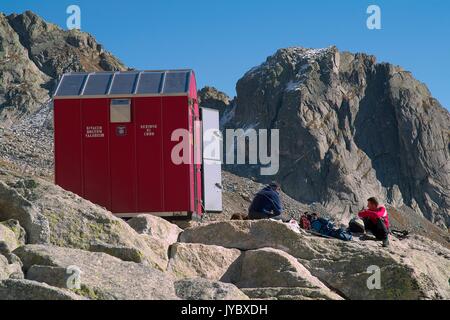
x=149, y=146
x=95, y=129
x=68, y=149
x=177, y=180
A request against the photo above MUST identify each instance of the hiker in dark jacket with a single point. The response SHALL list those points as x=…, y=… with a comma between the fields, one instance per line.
x=376, y=220
x=266, y=204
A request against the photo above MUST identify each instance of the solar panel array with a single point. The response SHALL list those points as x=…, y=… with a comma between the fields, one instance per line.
x=124, y=83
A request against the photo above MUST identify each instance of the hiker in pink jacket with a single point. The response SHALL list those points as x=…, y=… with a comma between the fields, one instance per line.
x=376, y=220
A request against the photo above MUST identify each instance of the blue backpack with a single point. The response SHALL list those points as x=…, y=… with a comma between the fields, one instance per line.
x=342, y=234
x=327, y=228
x=322, y=226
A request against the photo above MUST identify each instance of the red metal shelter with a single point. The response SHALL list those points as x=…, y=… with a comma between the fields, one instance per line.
x=114, y=143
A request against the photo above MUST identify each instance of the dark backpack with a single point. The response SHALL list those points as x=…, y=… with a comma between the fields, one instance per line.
x=322, y=226
x=356, y=227
x=341, y=234
x=327, y=228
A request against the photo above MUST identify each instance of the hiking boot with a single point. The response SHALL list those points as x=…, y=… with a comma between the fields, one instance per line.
x=386, y=243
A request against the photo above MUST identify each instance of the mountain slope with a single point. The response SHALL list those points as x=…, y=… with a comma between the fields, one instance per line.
x=20, y=80
x=33, y=55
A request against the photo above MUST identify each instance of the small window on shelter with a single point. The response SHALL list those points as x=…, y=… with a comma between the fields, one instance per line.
x=120, y=111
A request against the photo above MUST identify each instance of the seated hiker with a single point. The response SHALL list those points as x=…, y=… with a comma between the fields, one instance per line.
x=376, y=220
x=267, y=204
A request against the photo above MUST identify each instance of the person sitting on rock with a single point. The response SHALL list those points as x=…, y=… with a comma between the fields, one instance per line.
x=267, y=204
x=376, y=220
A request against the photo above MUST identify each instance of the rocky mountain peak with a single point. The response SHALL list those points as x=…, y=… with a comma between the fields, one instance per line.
x=300, y=55
x=212, y=94
x=34, y=54
x=210, y=97
x=294, y=61
x=32, y=22
x=56, y=51
x=350, y=128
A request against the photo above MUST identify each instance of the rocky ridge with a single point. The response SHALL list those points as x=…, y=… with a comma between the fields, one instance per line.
x=47, y=231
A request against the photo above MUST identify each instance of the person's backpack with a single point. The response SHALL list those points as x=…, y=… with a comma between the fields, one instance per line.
x=305, y=224
x=356, y=225
x=341, y=234
x=328, y=229
x=322, y=226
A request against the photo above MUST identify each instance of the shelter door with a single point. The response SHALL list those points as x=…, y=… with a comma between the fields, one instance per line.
x=212, y=168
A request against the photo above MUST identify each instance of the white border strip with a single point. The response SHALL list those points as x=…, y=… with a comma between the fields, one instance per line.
x=111, y=82
x=84, y=85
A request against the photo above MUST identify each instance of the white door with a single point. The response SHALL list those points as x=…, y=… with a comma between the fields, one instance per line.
x=212, y=164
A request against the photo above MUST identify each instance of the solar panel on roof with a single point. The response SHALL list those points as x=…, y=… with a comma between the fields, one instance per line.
x=97, y=84
x=71, y=85
x=150, y=82
x=176, y=82
x=123, y=83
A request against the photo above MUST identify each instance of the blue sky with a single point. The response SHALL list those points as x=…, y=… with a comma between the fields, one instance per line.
x=223, y=39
